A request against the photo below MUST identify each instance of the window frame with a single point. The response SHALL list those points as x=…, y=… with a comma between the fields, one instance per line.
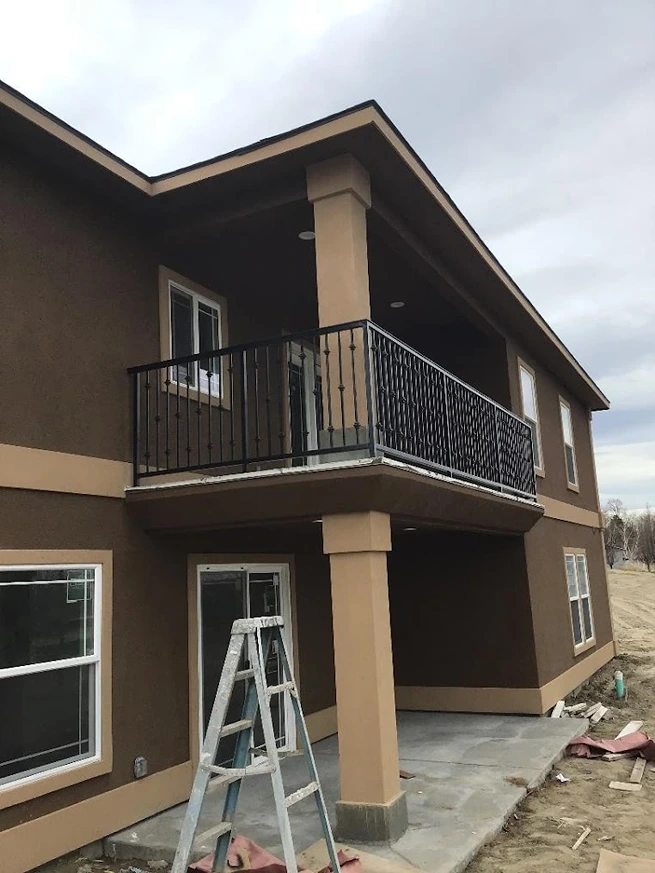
x=590, y=642
x=59, y=776
x=199, y=294
x=540, y=469
x=572, y=486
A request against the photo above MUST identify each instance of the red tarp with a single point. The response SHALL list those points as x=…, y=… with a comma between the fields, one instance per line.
x=637, y=742
x=246, y=855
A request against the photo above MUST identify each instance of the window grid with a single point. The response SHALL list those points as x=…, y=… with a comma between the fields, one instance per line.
x=569, y=445
x=577, y=577
x=530, y=409
x=205, y=336
x=83, y=582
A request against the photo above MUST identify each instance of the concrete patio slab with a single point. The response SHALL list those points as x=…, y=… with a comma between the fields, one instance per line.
x=471, y=771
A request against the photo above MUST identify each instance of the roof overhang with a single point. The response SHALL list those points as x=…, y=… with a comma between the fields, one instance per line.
x=398, y=176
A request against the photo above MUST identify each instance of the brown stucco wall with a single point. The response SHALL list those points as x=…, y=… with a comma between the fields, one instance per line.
x=150, y=674
x=460, y=611
x=554, y=484
x=544, y=546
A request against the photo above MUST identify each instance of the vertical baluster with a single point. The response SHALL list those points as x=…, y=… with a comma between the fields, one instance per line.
x=445, y=386
x=498, y=449
x=353, y=374
x=211, y=366
x=371, y=391
x=187, y=379
x=317, y=391
x=167, y=441
x=269, y=433
x=328, y=390
x=283, y=406
x=157, y=383
x=223, y=384
x=244, y=411
x=255, y=364
x=304, y=400
x=232, y=409
x=198, y=418
x=136, y=427
x=383, y=433
x=146, y=387
x=177, y=416
x=341, y=388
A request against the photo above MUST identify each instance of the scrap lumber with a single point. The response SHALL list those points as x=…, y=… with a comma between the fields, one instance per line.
x=630, y=728
x=558, y=709
x=638, y=770
x=591, y=710
x=583, y=836
x=575, y=707
x=616, y=756
x=600, y=713
x=626, y=786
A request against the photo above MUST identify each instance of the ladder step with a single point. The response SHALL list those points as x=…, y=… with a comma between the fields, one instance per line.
x=233, y=773
x=300, y=794
x=278, y=689
x=218, y=830
x=236, y=727
x=243, y=674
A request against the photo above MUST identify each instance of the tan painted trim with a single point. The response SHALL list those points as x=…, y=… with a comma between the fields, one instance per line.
x=423, y=698
x=43, y=470
x=528, y=701
x=356, y=532
x=583, y=647
x=71, y=138
x=562, y=511
x=340, y=175
x=563, y=684
x=10, y=796
x=522, y=365
x=166, y=276
x=322, y=724
x=41, y=840
x=193, y=560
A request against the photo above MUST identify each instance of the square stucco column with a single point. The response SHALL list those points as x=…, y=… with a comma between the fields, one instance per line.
x=372, y=807
x=340, y=190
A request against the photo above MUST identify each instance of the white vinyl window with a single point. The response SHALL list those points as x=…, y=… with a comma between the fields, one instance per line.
x=195, y=327
x=49, y=669
x=577, y=579
x=531, y=411
x=569, y=447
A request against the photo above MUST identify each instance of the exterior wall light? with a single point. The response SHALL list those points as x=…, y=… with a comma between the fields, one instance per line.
x=397, y=304
x=306, y=235
x=410, y=528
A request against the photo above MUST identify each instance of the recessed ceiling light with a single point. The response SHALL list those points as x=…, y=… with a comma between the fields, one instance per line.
x=306, y=235
x=410, y=528
x=318, y=521
x=397, y=304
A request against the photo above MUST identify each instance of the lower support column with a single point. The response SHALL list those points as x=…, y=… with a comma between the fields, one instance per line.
x=372, y=806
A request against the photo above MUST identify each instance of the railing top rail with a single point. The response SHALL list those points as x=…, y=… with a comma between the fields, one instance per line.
x=447, y=373
x=244, y=347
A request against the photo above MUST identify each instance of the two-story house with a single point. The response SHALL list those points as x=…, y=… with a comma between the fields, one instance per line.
x=291, y=379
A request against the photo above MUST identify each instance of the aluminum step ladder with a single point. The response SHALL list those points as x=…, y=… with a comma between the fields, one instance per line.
x=259, y=635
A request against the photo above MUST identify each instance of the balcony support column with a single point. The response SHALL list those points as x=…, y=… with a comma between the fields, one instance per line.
x=340, y=190
x=372, y=807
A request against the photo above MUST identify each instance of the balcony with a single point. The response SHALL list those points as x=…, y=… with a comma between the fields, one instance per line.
x=340, y=393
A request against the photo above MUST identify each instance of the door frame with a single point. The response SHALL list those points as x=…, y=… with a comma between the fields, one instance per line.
x=284, y=564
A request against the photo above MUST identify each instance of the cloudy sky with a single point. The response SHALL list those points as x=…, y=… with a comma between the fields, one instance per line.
x=537, y=117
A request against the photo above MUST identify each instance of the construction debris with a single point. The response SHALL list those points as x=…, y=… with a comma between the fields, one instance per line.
x=562, y=778
x=611, y=862
x=630, y=728
x=638, y=770
x=625, y=786
x=405, y=774
x=583, y=836
x=558, y=709
x=575, y=707
x=601, y=712
x=591, y=710
x=636, y=743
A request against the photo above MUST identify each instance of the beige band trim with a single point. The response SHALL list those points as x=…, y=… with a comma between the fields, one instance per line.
x=11, y=795
x=43, y=470
x=36, y=842
x=321, y=724
x=567, y=512
x=529, y=701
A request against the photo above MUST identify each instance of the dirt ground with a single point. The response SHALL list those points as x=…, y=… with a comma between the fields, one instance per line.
x=550, y=820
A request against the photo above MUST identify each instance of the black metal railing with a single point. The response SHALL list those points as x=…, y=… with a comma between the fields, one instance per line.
x=347, y=391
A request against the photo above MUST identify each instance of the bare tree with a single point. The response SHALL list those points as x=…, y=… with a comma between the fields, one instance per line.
x=645, y=548
x=620, y=530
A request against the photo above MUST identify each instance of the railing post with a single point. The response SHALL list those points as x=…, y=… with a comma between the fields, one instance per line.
x=368, y=376
x=498, y=452
x=244, y=410
x=136, y=428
